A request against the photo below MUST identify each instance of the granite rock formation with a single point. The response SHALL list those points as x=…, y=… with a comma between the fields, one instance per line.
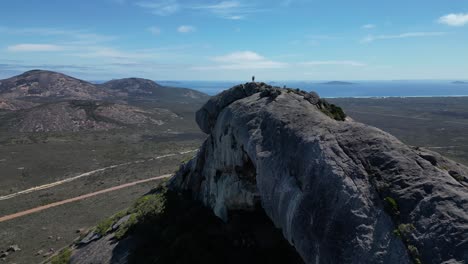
x=341, y=191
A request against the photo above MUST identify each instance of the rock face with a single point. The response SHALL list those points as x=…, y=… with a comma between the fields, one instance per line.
x=341, y=191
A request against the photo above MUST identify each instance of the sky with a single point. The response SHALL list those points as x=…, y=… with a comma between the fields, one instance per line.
x=235, y=39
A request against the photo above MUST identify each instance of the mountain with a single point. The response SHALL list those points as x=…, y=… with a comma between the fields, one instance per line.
x=338, y=83
x=340, y=191
x=39, y=84
x=459, y=82
x=138, y=88
x=45, y=101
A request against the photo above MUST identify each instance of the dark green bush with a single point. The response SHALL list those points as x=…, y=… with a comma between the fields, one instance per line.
x=331, y=110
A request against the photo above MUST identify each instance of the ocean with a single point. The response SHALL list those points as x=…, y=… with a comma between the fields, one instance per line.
x=356, y=89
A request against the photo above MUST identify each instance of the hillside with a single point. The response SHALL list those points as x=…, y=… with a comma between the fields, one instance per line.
x=47, y=85
x=45, y=101
x=137, y=88
x=72, y=116
x=340, y=191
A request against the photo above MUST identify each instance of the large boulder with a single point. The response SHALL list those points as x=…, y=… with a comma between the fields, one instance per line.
x=341, y=191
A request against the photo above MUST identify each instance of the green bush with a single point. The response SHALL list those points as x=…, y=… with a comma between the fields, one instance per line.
x=392, y=204
x=147, y=208
x=414, y=252
x=104, y=226
x=406, y=229
x=62, y=258
x=331, y=110
x=125, y=227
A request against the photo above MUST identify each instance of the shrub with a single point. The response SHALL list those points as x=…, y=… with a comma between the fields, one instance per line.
x=270, y=93
x=414, y=252
x=392, y=204
x=145, y=209
x=126, y=227
x=104, y=226
x=62, y=258
x=331, y=110
x=406, y=229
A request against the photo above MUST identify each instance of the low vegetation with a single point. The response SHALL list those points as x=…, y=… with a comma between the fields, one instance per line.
x=106, y=225
x=392, y=205
x=331, y=110
x=63, y=257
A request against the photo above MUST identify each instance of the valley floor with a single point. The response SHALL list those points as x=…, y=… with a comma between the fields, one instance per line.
x=436, y=123
x=95, y=162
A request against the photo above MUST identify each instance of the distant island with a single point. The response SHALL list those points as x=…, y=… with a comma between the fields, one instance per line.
x=338, y=83
x=459, y=82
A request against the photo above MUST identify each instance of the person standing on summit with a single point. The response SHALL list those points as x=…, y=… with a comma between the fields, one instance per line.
x=253, y=78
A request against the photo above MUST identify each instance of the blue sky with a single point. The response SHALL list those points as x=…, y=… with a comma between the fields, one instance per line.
x=232, y=40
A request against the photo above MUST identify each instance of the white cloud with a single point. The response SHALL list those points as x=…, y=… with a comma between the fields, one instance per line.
x=231, y=9
x=34, y=47
x=161, y=7
x=235, y=17
x=116, y=55
x=334, y=62
x=369, y=26
x=455, y=20
x=372, y=38
x=69, y=36
x=186, y=29
x=155, y=30
x=242, y=60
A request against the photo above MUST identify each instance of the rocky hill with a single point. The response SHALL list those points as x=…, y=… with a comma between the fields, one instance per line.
x=339, y=191
x=39, y=84
x=138, y=88
x=45, y=101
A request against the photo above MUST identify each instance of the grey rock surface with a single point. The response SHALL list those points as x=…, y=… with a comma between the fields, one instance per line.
x=341, y=191
x=92, y=236
x=104, y=250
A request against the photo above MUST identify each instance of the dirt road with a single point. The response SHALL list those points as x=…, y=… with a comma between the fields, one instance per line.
x=89, y=173
x=78, y=198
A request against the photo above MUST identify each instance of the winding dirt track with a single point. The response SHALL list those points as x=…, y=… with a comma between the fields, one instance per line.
x=78, y=198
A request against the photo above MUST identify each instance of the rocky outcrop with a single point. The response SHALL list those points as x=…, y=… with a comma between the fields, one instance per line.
x=341, y=191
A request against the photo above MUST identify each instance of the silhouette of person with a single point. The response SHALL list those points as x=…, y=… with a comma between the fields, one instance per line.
x=253, y=78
